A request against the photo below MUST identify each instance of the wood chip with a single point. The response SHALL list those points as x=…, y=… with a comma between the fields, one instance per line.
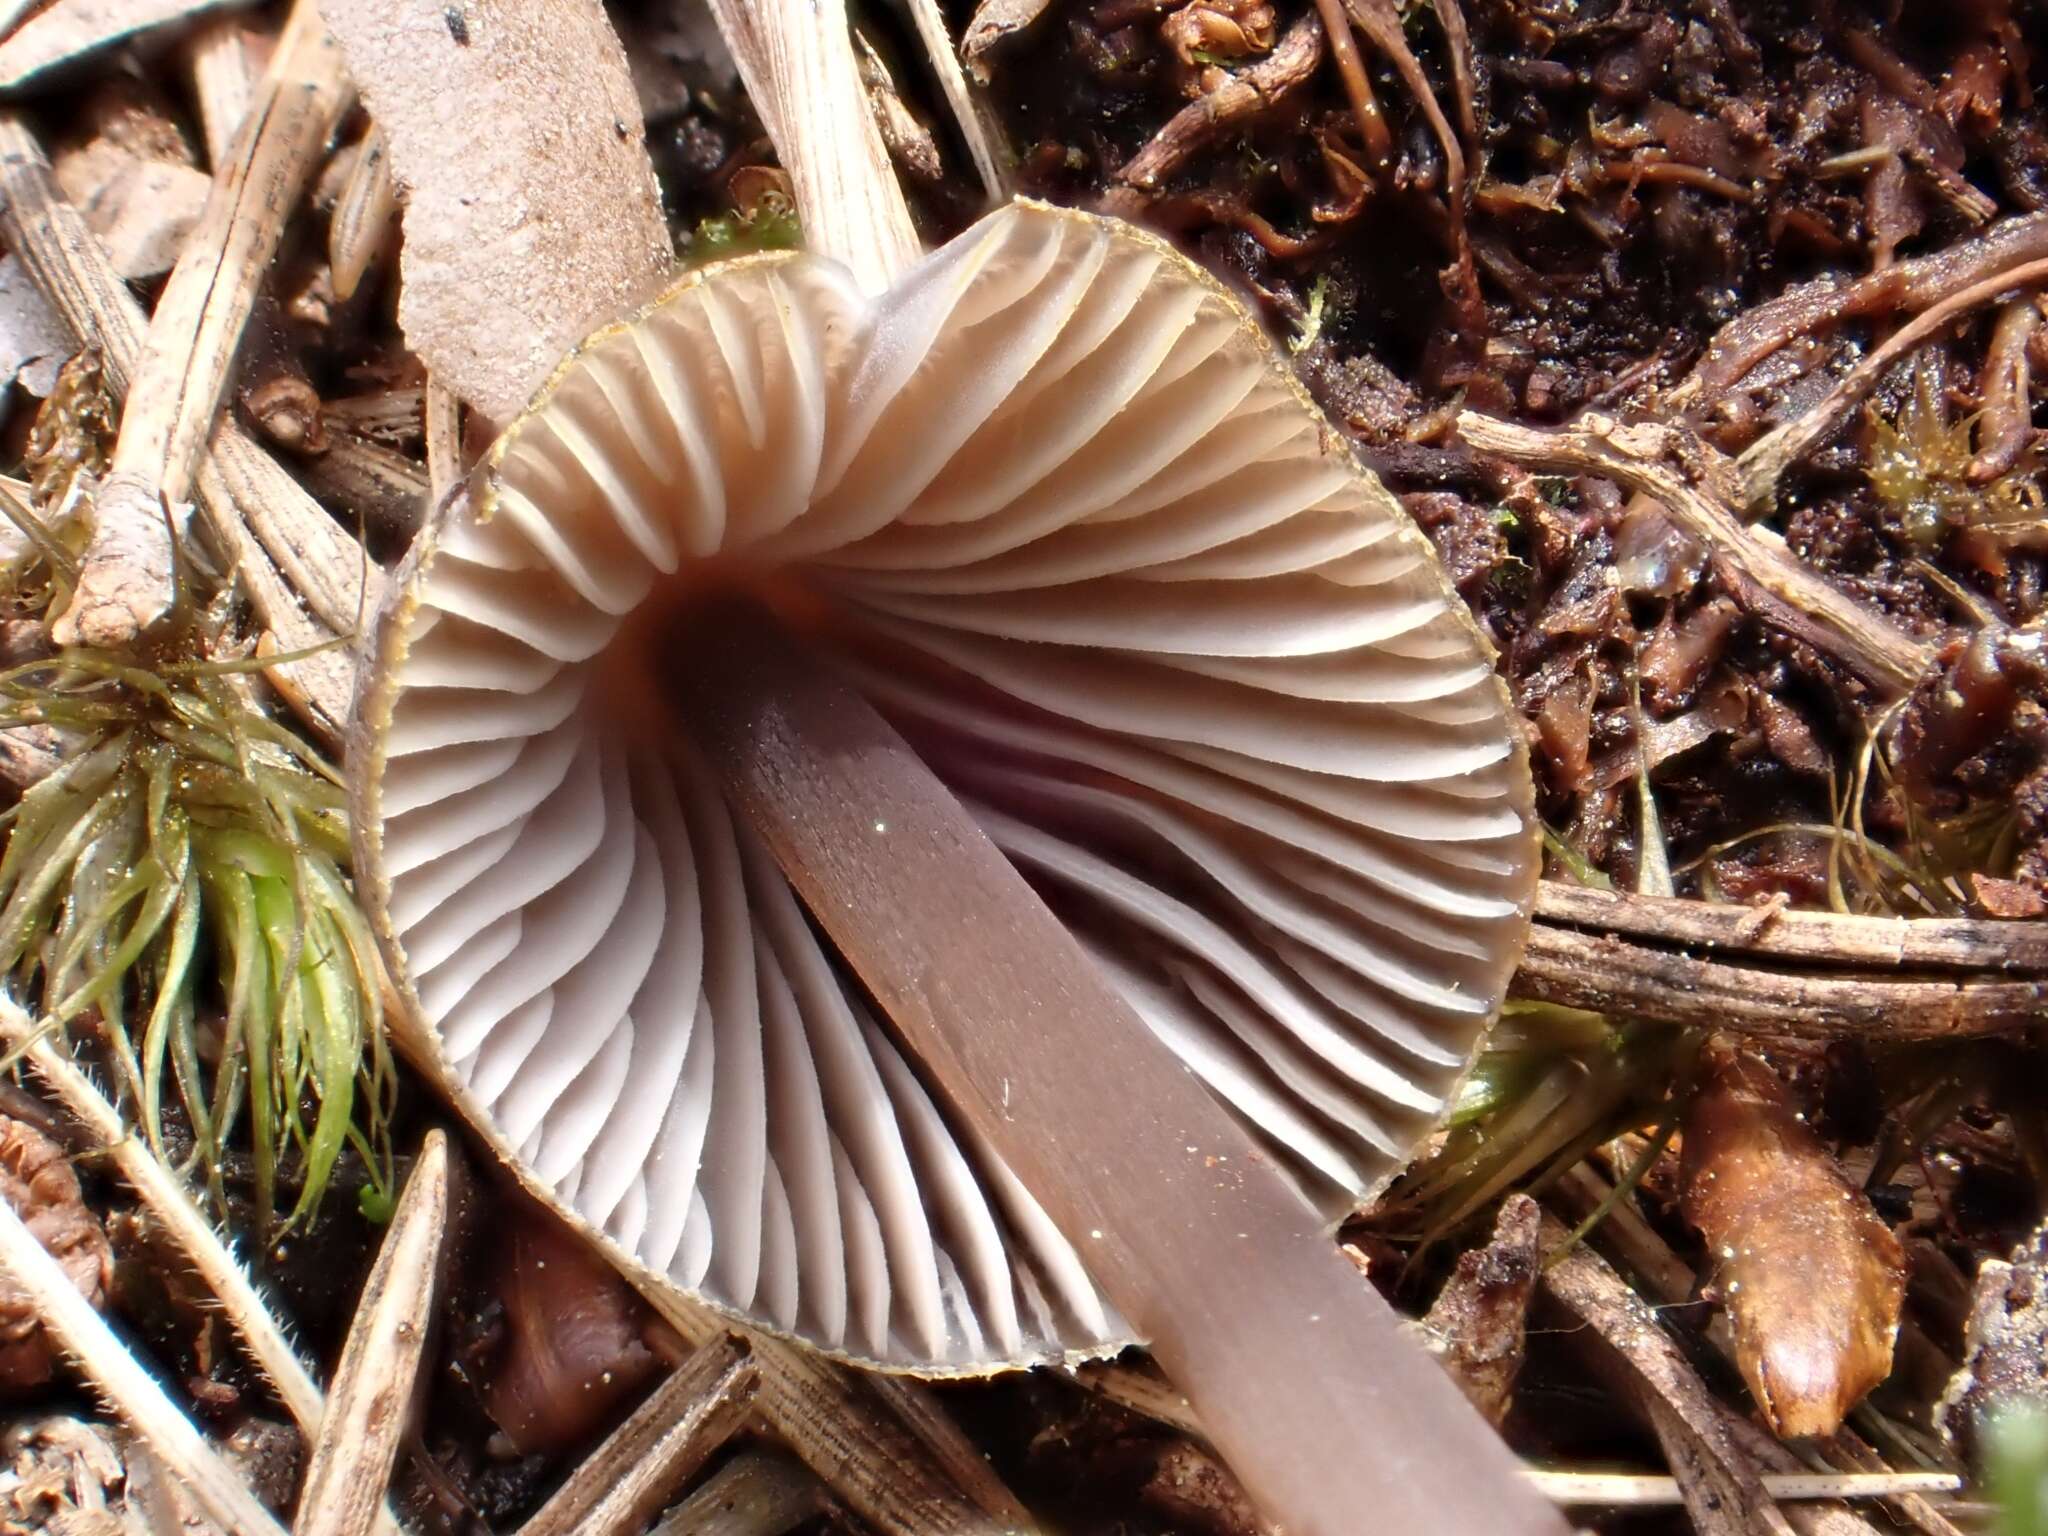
x=503, y=267
x=343, y=1489
x=1477, y=1325
x=2007, y=1360
x=976, y=126
x=647, y=1459
x=70, y=29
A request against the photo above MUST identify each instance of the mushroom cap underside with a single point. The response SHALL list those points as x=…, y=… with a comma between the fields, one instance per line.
x=1057, y=508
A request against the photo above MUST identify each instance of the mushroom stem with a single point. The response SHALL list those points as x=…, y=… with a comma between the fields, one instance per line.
x=1293, y=1362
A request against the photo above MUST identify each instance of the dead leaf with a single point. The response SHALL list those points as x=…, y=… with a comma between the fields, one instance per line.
x=71, y=29
x=1812, y=1278
x=993, y=21
x=531, y=214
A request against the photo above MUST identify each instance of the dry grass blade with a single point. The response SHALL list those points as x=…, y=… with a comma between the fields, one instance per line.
x=756, y=1493
x=373, y=1386
x=69, y=29
x=797, y=62
x=444, y=439
x=501, y=273
x=1757, y=570
x=647, y=1459
x=175, y=388
x=225, y=70
x=129, y=1390
x=1764, y=462
x=1834, y=938
x=1635, y=1489
x=167, y=1200
x=974, y=128
x=243, y=493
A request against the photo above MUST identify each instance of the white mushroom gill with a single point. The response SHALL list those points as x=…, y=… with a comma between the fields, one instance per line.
x=1057, y=508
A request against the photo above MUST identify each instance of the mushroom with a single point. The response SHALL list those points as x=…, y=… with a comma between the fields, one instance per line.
x=1048, y=533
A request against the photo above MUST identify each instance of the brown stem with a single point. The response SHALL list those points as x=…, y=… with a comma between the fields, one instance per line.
x=1293, y=1361
x=1365, y=107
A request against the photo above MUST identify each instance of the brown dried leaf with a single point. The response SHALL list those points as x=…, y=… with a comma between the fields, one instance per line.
x=531, y=214
x=1812, y=1278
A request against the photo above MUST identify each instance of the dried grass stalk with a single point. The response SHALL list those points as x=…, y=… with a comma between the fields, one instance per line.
x=243, y=493
x=130, y=1391
x=125, y=578
x=342, y=1493
x=797, y=61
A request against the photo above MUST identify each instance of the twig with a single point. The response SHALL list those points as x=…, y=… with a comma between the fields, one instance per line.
x=645, y=1460
x=350, y=1466
x=175, y=387
x=1608, y=973
x=129, y=1389
x=243, y=493
x=1909, y=285
x=224, y=76
x=1244, y=94
x=1765, y=461
x=1638, y=1347
x=1832, y=938
x=1758, y=571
